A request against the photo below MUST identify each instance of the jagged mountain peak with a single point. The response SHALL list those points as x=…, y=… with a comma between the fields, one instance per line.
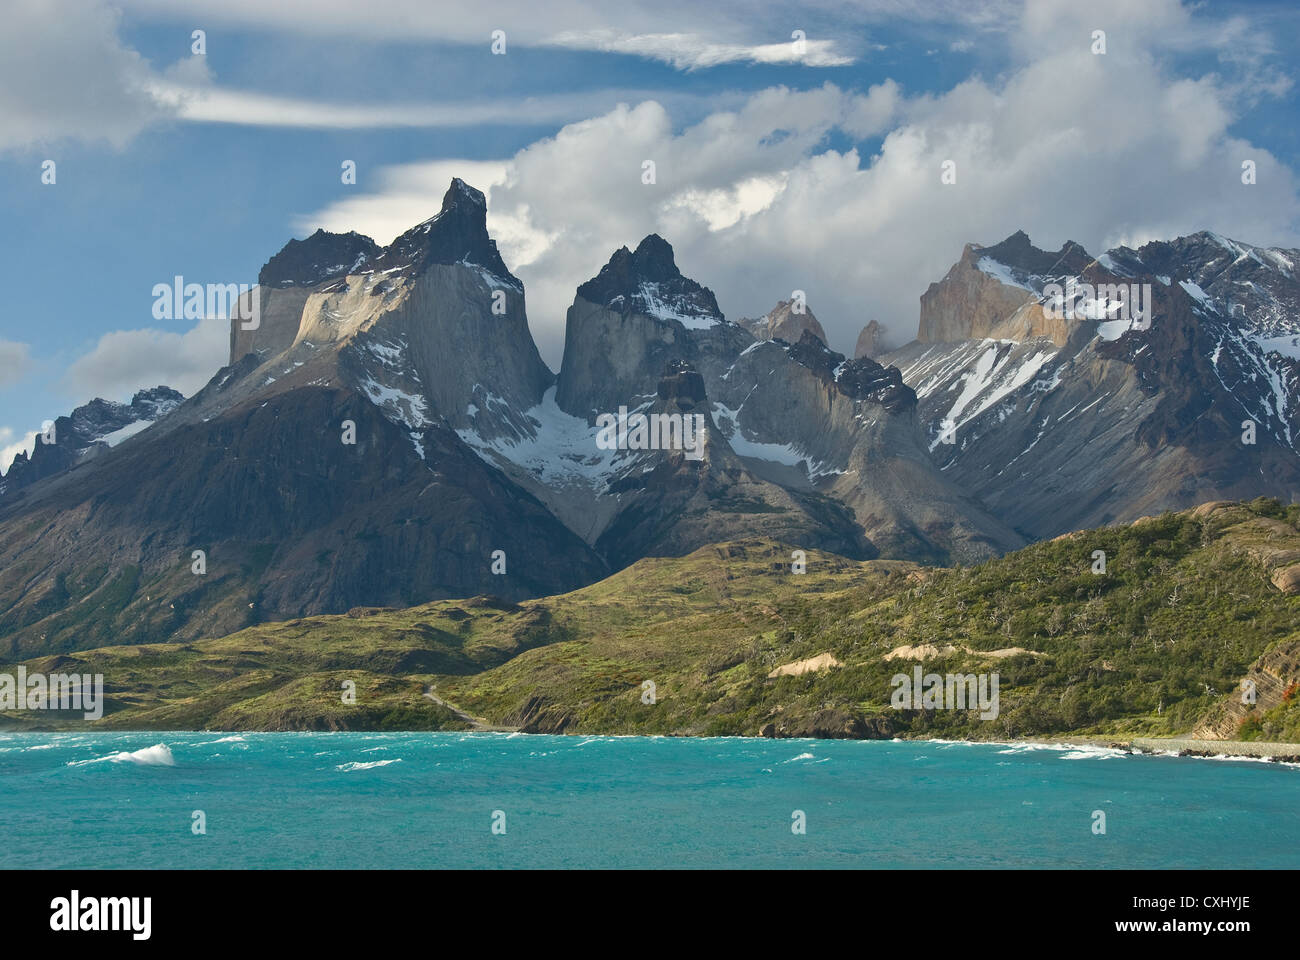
x=1017, y=251
x=651, y=262
x=993, y=292
x=647, y=281
x=456, y=234
x=99, y=418
x=858, y=379
x=869, y=340
x=87, y=430
x=322, y=256
x=460, y=190
x=156, y=401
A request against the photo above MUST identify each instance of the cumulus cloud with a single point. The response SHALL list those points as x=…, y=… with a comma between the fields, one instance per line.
x=1067, y=146
x=125, y=361
x=14, y=360
x=64, y=72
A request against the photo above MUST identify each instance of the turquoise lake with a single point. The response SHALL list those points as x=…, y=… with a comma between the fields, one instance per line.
x=421, y=800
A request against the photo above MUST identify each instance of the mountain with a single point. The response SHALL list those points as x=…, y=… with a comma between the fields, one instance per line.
x=389, y=350
x=1059, y=424
x=801, y=444
x=87, y=431
x=387, y=434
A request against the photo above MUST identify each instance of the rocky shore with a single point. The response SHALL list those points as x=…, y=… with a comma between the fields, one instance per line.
x=1281, y=752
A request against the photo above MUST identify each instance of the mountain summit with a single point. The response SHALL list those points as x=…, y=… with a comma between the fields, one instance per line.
x=457, y=234
x=647, y=281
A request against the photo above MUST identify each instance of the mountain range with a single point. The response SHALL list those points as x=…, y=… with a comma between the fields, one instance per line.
x=388, y=435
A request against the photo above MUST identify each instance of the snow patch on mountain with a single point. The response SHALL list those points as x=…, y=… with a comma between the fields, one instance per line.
x=1003, y=274
x=999, y=372
x=653, y=302
x=788, y=454
x=561, y=452
x=130, y=430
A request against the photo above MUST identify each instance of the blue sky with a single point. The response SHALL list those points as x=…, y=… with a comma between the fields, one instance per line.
x=776, y=170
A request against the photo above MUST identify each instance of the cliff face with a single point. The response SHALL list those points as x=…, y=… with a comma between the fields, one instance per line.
x=992, y=292
x=869, y=341
x=1272, y=676
x=289, y=277
x=630, y=321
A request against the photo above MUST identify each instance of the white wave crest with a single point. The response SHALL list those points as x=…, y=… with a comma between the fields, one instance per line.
x=159, y=755
x=358, y=765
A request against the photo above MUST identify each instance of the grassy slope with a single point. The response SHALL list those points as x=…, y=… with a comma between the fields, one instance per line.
x=1185, y=607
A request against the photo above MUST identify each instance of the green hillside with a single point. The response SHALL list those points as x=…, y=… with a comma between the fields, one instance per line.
x=1186, y=605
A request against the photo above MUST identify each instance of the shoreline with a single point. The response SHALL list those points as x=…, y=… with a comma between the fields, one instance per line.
x=1187, y=747
x=1149, y=746
x=1183, y=747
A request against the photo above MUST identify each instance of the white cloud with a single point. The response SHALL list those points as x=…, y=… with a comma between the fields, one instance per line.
x=65, y=73
x=705, y=35
x=686, y=51
x=202, y=102
x=10, y=448
x=125, y=361
x=1065, y=145
x=14, y=360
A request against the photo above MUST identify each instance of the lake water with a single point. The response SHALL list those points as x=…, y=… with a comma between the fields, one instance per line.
x=365, y=800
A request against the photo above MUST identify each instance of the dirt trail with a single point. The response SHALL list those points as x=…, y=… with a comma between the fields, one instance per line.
x=476, y=723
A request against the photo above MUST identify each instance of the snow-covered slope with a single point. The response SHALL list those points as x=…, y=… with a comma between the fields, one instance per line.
x=1063, y=418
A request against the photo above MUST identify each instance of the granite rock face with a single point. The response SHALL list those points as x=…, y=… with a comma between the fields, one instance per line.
x=869, y=341
x=990, y=293
x=786, y=321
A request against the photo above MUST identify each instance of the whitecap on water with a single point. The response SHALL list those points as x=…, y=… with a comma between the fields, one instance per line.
x=358, y=765
x=159, y=755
